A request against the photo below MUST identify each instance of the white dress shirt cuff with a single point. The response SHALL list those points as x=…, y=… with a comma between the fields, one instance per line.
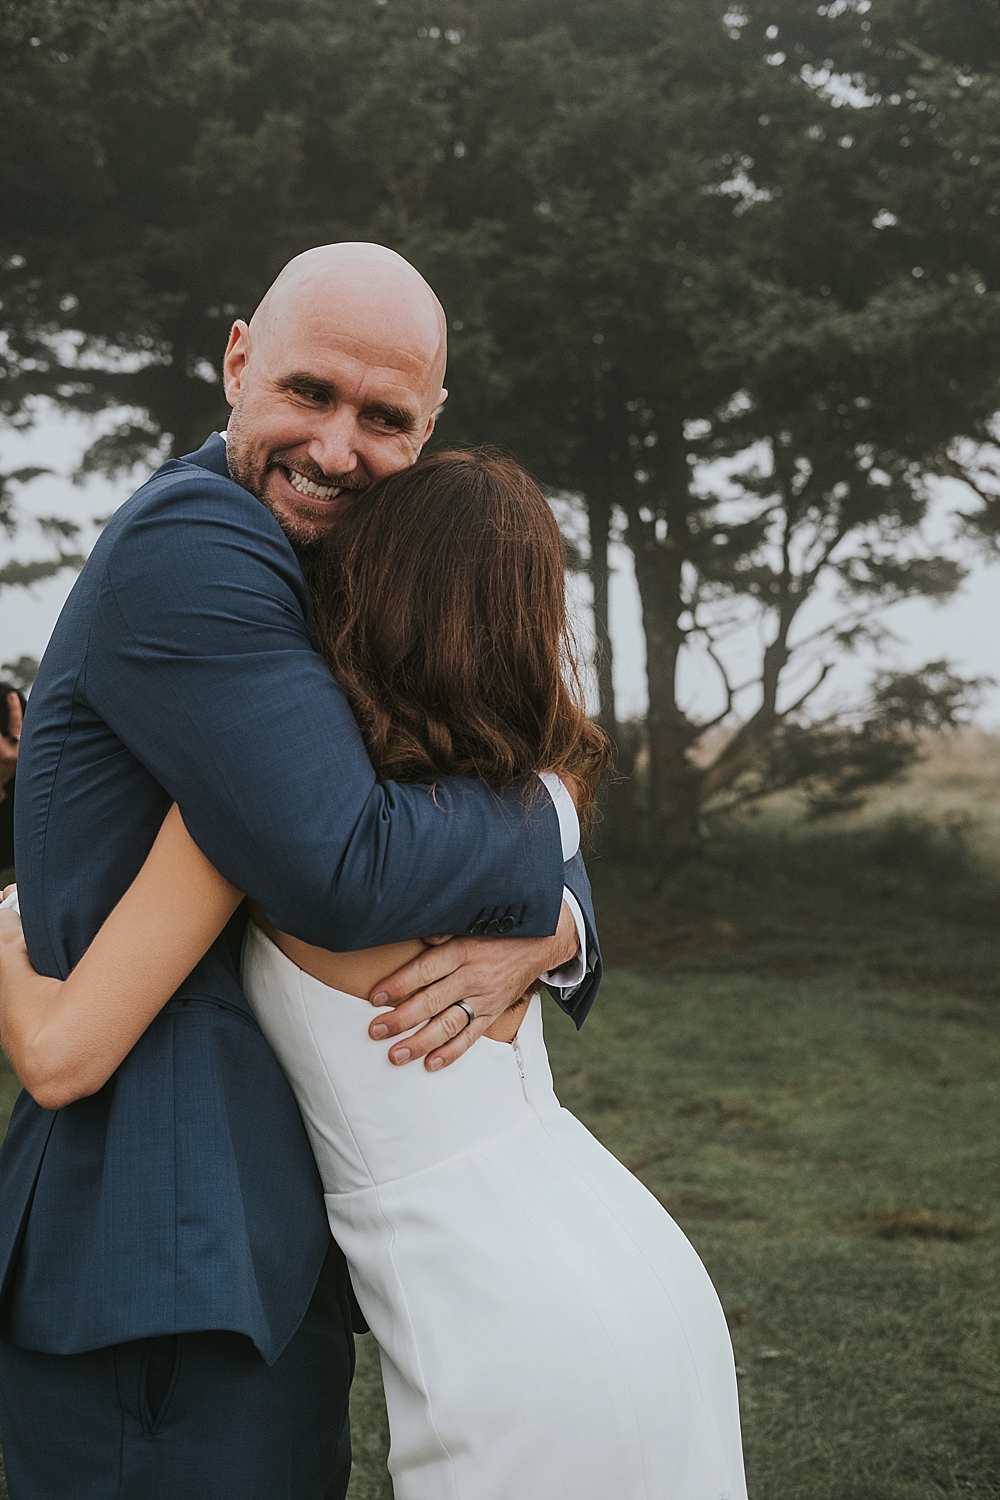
x=573, y=973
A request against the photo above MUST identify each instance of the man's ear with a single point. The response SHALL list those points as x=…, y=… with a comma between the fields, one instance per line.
x=432, y=419
x=236, y=359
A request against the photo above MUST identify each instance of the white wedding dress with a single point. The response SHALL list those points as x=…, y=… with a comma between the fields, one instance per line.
x=546, y=1331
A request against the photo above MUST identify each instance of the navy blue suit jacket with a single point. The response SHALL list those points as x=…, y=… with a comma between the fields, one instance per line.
x=183, y=1194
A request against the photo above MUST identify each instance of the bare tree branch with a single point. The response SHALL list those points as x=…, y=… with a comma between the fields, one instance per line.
x=727, y=685
x=794, y=707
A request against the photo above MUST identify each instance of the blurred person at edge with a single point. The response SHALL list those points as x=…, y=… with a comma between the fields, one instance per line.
x=11, y=711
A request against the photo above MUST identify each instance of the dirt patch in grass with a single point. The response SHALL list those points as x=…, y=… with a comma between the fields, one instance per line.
x=694, y=1205
x=915, y=1223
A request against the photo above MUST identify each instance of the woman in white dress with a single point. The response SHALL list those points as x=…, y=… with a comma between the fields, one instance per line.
x=546, y=1331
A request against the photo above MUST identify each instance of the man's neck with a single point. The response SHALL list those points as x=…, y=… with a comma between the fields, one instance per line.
x=308, y=555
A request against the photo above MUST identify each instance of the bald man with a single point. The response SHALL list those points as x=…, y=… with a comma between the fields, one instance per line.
x=175, y=1318
x=334, y=384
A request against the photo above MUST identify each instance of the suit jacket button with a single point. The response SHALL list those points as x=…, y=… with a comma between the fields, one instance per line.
x=505, y=924
x=492, y=927
x=478, y=928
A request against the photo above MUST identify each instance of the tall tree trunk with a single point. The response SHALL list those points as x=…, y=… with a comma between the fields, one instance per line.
x=620, y=832
x=675, y=783
x=599, y=523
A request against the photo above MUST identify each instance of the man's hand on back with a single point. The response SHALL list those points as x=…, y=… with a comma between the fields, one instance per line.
x=488, y=974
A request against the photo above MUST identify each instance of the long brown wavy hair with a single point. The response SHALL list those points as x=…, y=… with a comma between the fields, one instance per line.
x=441, y=610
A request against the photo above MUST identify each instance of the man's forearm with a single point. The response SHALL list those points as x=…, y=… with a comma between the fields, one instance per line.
x=566, y=940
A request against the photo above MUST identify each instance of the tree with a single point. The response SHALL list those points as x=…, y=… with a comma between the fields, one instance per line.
x=836, y=762
x=665, y=242
x=156, y=177
x=16, y=574
x=699, y=270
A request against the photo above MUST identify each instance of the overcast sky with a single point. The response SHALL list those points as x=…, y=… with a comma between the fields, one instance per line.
x=964, y=630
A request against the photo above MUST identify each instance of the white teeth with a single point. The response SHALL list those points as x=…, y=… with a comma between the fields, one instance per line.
x=314, y=491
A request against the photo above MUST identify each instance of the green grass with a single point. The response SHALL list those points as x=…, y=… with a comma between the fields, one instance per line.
x=790, y=1126
x=369, y=1428
x=797, y=1050
x=830, y=1146
x=903, y=902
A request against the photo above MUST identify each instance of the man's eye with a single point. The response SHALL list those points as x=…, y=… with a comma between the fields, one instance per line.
x=308, y=393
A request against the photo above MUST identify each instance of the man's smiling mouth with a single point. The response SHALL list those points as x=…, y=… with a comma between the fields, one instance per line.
x=310, y=489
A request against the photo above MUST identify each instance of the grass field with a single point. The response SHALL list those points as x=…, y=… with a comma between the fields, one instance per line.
x=830, y=1146
x=797, y=1050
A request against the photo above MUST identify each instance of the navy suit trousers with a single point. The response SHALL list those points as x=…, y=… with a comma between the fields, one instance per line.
x=194, y=1416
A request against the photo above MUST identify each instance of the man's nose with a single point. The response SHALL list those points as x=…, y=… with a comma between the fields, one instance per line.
x=335, y=446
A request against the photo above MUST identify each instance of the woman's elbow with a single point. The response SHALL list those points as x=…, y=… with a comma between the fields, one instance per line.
x=54, y=1094
x=46, y=1096
x=55, y=1082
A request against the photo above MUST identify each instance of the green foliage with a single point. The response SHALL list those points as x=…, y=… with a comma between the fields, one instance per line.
x=17, y=574
x=8, y=518
x=926, y=701
x=837, y=762
x=903, y=866
x=833, y=765
x=661, y=238
x=21, y=672
x=898, y=900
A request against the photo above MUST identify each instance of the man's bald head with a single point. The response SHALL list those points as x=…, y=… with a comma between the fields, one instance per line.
x=369, y=291
x=334, y=383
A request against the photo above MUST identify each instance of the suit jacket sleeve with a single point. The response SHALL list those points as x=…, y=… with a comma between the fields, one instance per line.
x=201, y=661
x=577, y=999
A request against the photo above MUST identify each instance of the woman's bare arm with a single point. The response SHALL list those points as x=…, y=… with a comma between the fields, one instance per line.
x=66, y=1038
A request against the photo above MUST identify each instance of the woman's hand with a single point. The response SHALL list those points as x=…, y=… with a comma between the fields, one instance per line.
x=11, y=934
x=13, y=953
x=26, y=1002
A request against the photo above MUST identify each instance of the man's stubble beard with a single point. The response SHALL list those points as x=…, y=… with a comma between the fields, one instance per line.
x=306, y=537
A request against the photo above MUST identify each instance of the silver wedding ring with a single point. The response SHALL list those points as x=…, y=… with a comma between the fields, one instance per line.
x=464, y=1005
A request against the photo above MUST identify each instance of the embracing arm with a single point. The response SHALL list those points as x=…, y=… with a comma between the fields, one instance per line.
x=66, y=1037
x=200, y=661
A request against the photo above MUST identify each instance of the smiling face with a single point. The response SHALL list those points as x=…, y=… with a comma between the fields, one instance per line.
x=334, y=384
